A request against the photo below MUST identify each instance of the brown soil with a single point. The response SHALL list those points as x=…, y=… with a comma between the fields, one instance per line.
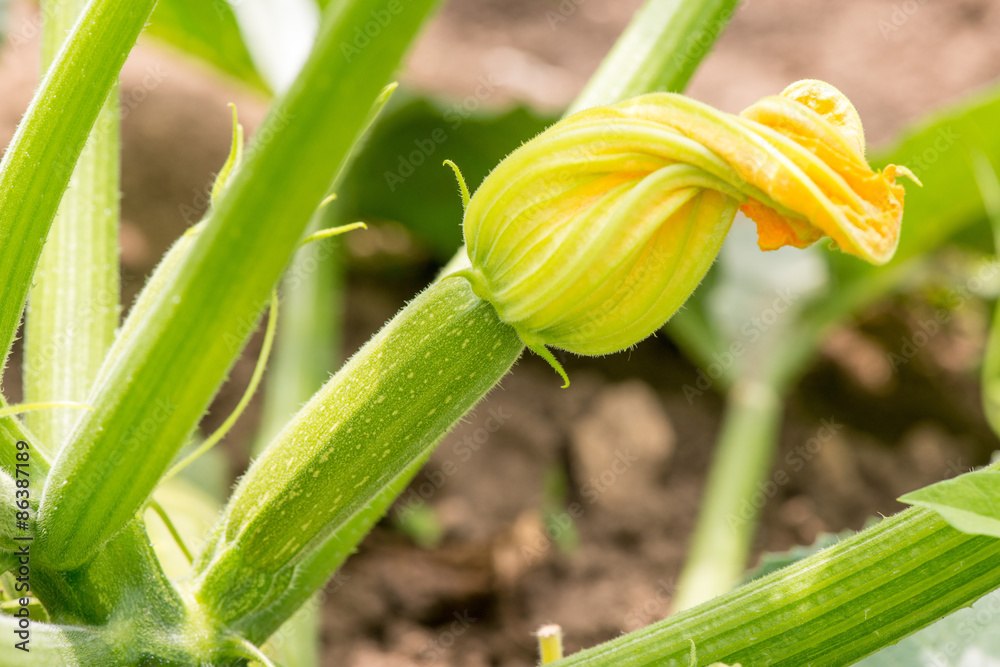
x=507, y=562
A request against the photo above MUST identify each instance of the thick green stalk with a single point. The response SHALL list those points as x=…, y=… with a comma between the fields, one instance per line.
x=151, y=396
x=125, y=574
x=40, y=159
x=367, y=430
x=73, y=304
x=727, y=520
x=830, y=609
x=660, y=50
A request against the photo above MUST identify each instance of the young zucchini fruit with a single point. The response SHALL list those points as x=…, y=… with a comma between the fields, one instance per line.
x=388, y=407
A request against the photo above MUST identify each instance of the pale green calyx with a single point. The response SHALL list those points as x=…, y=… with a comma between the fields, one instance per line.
x=590, y=236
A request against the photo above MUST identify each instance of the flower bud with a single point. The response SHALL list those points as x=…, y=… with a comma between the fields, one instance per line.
x=590, y=236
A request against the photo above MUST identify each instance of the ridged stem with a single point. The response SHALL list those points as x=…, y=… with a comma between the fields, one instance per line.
x=659, y=50
x=830, y=609
x=73, y=304
x=41, y=157
x=153, y=393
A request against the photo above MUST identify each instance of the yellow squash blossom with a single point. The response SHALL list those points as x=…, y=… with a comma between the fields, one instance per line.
x=591, y=235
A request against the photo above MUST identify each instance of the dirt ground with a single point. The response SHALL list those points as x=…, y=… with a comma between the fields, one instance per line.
x=622, y=442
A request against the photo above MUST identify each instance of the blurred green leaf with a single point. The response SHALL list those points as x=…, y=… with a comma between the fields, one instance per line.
x=399, y=175
x=948, y=205
x=969, y=502
x=208, y=30
x=938, y=149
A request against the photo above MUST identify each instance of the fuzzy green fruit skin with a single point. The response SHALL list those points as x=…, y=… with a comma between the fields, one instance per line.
x=382, y=413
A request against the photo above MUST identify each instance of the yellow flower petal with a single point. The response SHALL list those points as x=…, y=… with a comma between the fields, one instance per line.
x=591, y=235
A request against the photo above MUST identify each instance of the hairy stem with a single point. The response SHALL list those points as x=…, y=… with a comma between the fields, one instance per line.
x=152, y=394
x=42, y=155
x=660, y=50
x=830, y=609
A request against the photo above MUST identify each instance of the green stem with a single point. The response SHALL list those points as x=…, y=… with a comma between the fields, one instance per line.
x=660, y=50
x=154, y=391
x=124, y=576
x=73, y=304
x=727, y=520
x=830, y=609
x=345, y=455
x=41, y=157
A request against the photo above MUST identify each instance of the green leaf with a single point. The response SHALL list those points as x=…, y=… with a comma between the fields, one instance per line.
x=969, y=502
x=208, y=30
